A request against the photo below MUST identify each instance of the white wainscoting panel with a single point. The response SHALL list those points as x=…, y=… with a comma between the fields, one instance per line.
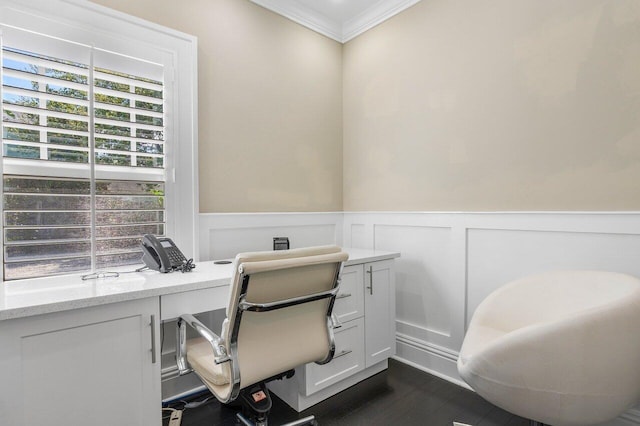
x=451, y=261
x=223, y=235
x=423, y=279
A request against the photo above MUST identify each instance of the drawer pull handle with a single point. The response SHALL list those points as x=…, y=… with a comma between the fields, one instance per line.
x=343, y=353
x=153, y=339
x=370, y=286
x=335, y=322
x=343, y=295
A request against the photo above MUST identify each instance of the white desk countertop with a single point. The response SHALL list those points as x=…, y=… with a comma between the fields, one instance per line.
x=53, y=294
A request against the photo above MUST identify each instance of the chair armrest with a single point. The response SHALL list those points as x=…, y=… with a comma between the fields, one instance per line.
x=217, y=343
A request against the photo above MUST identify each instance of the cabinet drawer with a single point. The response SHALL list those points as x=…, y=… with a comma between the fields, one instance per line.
x=348, y=358
x=349, y=302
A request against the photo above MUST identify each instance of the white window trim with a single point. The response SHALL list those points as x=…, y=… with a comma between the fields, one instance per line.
x=115, y=29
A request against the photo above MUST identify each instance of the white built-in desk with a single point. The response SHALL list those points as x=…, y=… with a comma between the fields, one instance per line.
x=57, y=294
x=88, y=352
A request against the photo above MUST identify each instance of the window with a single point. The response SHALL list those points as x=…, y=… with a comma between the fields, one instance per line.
x=85, y=155
x=55, y=224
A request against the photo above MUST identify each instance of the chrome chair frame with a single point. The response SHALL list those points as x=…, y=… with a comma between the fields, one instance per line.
x=217, y=343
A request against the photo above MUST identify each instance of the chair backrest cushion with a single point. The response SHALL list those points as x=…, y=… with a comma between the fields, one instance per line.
x=272, y=342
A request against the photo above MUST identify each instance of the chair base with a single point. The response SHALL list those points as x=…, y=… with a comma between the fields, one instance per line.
x=256, y=404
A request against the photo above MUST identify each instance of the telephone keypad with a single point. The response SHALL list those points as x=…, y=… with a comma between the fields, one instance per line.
x=176, y=257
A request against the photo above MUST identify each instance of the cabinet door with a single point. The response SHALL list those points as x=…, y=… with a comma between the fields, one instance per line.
x=380, y=311
x=91, y=366
x=349, y=303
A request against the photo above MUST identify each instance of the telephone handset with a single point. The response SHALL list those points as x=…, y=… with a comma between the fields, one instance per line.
x=161, y=254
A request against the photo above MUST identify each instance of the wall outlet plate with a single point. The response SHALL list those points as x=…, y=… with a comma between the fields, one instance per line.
x=281, y=243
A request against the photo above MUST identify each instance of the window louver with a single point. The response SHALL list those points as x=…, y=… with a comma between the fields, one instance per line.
x=83, y=164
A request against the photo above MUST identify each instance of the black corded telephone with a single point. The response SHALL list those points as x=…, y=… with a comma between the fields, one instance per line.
x=161, y=254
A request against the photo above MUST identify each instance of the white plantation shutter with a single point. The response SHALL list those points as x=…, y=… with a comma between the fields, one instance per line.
x=83, y=155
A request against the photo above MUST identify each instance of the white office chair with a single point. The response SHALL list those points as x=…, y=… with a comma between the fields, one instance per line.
x=560, y=348
x=278, y=317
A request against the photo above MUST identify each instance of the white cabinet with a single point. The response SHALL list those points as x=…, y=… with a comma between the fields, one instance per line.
x=365, y=306
x=376, y=301
x=96, y=366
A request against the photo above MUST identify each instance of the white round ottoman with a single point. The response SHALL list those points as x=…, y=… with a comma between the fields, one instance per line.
x=561, y=348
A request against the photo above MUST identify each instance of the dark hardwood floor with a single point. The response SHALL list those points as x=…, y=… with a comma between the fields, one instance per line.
x=401, y=395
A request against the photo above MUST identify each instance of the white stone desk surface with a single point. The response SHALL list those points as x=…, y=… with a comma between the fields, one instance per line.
x=53, y=294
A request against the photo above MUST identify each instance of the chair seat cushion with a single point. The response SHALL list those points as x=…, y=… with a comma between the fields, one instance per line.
x=200, y=357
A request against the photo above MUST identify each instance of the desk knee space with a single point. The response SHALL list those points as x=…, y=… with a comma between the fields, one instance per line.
x=192, y=302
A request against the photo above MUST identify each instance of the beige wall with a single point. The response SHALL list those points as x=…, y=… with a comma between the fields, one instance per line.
x=270, y=105
x=492, y=105
x=452, y=105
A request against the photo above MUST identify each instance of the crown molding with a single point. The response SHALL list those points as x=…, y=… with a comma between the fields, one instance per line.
x=373, y=16
x=341, y=32
x=304, y=16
